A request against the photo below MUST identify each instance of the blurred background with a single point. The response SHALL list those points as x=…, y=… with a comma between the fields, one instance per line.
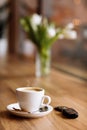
x=69, y=56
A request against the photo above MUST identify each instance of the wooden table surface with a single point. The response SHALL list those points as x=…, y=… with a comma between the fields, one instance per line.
x=64, y=90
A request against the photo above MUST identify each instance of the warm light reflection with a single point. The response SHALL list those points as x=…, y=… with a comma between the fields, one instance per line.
x=76, y=22
x=77, y=1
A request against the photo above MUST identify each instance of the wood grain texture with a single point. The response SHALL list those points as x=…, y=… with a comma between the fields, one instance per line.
x=63, y=89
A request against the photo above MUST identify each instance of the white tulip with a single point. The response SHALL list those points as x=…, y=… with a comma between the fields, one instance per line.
x=35, y=21
x=69, y=26
x=51, y=31
x=70, y=34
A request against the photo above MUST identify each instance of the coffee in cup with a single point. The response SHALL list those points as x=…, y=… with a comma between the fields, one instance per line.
x=31, y=98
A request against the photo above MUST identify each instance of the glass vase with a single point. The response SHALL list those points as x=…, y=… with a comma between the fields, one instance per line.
x=43, y=59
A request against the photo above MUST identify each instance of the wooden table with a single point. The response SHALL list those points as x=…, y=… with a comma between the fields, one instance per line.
x=64, y=90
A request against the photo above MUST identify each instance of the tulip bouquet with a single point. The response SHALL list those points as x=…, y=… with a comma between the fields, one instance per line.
x=43, y=34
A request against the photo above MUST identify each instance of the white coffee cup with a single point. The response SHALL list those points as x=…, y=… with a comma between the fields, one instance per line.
x=31, y=98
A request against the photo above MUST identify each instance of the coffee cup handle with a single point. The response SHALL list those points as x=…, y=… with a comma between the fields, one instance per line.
x=48, y=100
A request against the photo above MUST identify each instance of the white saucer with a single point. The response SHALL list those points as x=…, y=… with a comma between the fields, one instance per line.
x=36, y=114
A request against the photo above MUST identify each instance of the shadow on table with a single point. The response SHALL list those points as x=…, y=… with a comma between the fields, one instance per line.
x=9, y=116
